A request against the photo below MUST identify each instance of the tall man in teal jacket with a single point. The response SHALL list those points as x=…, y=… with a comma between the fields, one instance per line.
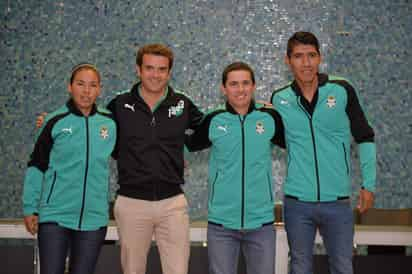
x=320, y=114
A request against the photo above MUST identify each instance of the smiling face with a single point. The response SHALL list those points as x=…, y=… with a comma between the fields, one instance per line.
x=84, y=88
x=238, y=89
x=154, y=73
x=304, y=61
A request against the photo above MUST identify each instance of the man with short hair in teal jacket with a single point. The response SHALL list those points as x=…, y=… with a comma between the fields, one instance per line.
x=240, y=209
x=320, y=114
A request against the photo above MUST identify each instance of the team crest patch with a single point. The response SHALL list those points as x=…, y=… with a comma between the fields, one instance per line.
x=104, y=132
x=331, y=101
x=177, y=110
x=259, y=127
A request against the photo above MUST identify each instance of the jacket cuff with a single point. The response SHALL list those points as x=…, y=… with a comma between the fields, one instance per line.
x=367, y=155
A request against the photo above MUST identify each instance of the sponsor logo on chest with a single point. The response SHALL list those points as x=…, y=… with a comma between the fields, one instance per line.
x=176, y=110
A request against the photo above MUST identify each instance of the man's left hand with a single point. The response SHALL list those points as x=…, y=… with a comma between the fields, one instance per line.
x=366, y=199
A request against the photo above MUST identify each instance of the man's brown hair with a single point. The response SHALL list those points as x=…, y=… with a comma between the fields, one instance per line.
x=237, y=66
x=154, y=49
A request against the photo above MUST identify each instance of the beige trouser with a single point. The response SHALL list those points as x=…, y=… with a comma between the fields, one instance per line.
x=137, y=221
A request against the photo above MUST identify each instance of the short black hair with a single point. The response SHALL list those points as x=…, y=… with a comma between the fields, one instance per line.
x=237, y=66
x=302, y=37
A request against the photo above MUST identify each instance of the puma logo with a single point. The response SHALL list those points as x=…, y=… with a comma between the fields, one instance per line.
x=222, y=128
x=67, y=130
x=131, y=107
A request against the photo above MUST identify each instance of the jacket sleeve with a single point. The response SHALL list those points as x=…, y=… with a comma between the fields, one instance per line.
x=195, y=115
x=367, y=152
x=199, y=139
x=279, y=137
x=364, y=135
x=112, y=107
x=38, y=164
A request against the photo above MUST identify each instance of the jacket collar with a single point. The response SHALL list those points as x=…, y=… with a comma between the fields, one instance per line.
x=322, y=80
x=167, y=100
x=230, y=109
x=73, y=108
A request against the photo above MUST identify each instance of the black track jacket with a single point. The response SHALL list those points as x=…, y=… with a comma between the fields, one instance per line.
x=149, y=148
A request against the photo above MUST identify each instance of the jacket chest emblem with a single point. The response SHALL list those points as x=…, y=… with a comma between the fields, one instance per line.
x=260, y=128
x=331, y=101
x=284, y=102
x=222, y=128
x=104, y=132
x=131, y=107
x=177, y=110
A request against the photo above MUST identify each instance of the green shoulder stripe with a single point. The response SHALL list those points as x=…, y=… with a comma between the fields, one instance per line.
x=120, y=92
x=61, y=110
x=337, y=78
x=283, y=87
x=103, y=110
x=279, y=90
x=178, y=91
x=219, y=108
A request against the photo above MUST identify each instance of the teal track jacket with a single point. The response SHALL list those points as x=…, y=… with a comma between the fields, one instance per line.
x=67, y=180
x=318, y=138
x=240, y=165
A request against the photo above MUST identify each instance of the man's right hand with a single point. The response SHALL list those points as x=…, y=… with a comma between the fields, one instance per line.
x=266, y=104
x=31, y=223
x=40, y=119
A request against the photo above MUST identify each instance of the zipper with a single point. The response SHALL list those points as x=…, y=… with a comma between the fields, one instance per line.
x=242, y=121
x=314, y=147
x=153, y=127
x=52, y=187
x=85, y=172
x=346, y=159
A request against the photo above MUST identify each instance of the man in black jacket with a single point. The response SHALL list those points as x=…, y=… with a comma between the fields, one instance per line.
x=152, y=119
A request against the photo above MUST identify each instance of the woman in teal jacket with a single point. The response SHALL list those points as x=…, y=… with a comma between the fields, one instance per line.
x=66, y=188
x=240, y=209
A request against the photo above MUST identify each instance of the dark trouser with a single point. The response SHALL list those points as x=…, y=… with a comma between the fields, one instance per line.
x=257, y=245
x=55, y=242
x=335, y=223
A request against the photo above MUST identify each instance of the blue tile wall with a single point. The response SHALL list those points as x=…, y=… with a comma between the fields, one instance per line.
x=365, y=41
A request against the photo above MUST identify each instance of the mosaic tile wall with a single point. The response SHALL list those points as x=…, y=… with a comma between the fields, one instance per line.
x=366, y=41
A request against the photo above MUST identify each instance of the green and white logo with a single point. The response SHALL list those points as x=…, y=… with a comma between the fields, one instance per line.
x=177, y=110
x=331, y=101
x=104, y=132
x=260, y=127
